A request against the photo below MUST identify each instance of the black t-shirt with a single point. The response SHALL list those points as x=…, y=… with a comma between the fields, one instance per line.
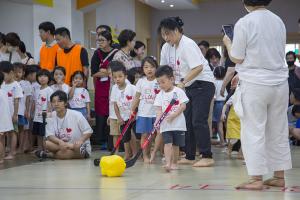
x=229, y=63
x=84, y=58
x=95, y=62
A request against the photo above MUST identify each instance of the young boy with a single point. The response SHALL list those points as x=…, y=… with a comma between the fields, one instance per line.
x=6, y=124
x=173, y=127
x=23, y=105
x=14, y=93
x=122, y=98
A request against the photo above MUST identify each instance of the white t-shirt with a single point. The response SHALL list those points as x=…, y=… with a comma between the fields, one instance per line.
x=259, y=39
x=183, y=59
x=124, y=99
x=14, y=58
x=80, y=99
x=218, y=85
x=41, y=103
x=64, y=87
x=28, y=61
x=163, y=99
x=5, y=119
x=148, y=90
x=13, y=91
x=112, y=113
x=70, y=128
x=27, y=91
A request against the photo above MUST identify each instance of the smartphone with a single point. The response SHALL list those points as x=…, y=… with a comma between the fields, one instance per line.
x=228, y=30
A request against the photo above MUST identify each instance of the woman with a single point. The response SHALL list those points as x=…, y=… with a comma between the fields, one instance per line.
x=26, y=60
x=192, y=72
x=127, y=41
x=261, y=100
x=230, y=72
x=138, y=53
x=9, y=51
x=99, y=63
x=214, y=58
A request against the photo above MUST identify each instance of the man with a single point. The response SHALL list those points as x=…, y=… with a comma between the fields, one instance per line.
x=290, y=60
x=73, y=57
x=68, y=132
x=49, y=48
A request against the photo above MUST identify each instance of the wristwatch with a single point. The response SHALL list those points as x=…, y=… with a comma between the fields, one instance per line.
x=182, y=81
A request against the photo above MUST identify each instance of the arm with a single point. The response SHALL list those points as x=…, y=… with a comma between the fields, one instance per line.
x=228, y=44
x=181, y=108
x=135, y=102
x=27, y=105
x=16, y=109
x=71, y=93
x=117, y=111
x=228, y=77
x=190, y=76
x=88, y=108
x=158, y=114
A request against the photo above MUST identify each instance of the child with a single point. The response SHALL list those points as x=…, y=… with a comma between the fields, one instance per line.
x=146, y=90
x=6, y=124
x=174, y=126
x=23, y=105
x=14, y=93
x=219, y=73
x=79, y=98
x=42, y=104
x=122, y=97
x=59, y=74
x=233, y=127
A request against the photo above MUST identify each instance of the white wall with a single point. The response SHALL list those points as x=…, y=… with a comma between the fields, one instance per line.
x=120, y=13
x=15, y=17
x=77, y=30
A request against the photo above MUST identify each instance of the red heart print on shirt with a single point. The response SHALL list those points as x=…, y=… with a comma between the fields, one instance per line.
x=176, y=102
x=156, y=91
x=43, y=99
x=69, y=130
x=82, y=96
x=128, y=97
x=178, y=62
x=9, y=94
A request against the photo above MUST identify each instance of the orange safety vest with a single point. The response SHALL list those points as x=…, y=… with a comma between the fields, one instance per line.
x=70, y=61
x=48, y=56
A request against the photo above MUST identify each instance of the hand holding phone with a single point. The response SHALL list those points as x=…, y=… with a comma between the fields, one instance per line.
x=228, y=30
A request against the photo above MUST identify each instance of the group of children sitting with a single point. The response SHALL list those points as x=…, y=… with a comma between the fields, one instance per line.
x=25, y=98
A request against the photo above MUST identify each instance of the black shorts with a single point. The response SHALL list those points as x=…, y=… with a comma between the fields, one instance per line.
x=38, y=129
x=177, y=138
x=127, y=135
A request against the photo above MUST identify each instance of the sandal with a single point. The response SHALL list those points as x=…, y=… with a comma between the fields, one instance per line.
x=252, y=184
x=275, y=182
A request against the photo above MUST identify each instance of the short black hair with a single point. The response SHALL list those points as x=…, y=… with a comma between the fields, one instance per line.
x=13, y=39
x=151, y=60
x=126, y=36
x=6, y=67
x=219, y=72
x=212, y=52
x=164, y=70
x=138, y=44
x=62, y=96
x=1, y=78
x=117, y=66
x=204, y=43
x=47, y=26
x=19, y=65
x=107, y=35
x=43, y=72
x=291, y=53
x=257, y=2
x=171, y=23
x=22, y=47
x=62, y=69
x=63, y=31
x=30, y=69
x=106, y=27
x=2, y=38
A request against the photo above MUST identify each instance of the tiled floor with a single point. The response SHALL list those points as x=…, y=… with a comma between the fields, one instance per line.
x=79, y=179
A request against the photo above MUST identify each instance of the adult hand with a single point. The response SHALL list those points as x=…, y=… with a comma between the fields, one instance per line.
x=222, y=91
x=226, y=41
x=235, y=81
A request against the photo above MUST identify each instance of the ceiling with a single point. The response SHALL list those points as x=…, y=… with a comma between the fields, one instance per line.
x=178, y=4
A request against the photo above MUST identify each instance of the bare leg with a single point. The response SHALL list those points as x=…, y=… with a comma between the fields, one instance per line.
x=146, y=150
x=255, y=183
x=295, y=132
x=277, y=180
x=221, y=132
x=13, y=144
x=26, y=146
x=175, y=156
x=115, y=138
x=133, y=144
x=21, y=139
x=168, y=154
x=2, y=148
x=127, y=151
x=157, y=146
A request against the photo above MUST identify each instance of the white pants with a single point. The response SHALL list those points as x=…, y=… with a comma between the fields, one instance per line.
x=264, y=128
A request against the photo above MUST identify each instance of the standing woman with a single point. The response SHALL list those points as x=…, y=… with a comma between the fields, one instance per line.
x=258, y=48
x=99, y=64
x=138, y=53
x=192, y=72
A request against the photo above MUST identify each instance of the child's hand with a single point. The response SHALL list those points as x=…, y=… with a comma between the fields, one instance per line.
x=15, y=118
x=170, y=118
x=27, y=115
x=121, y=121
x=223, y=117
x=156, y=126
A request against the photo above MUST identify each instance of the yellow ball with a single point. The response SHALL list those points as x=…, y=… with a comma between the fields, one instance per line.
x=112, y=166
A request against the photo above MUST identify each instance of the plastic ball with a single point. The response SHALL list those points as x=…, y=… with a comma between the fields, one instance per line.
x=112, y=166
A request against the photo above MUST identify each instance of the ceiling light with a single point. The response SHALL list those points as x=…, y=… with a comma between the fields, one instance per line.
x=171, y=5
x=162, y=1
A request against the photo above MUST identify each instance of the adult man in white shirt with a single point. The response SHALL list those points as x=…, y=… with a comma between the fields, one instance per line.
x=68, y=132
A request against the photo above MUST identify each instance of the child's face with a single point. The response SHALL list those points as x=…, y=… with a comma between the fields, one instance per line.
x=165, y=83
x=77, y=80
x=9, y=76
x=19, y=73
x=43, y=80
x=119, y=78
x=149, y=70
x=140, y=52
x=59, y=76
x=214, y=61
x=32, y=77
